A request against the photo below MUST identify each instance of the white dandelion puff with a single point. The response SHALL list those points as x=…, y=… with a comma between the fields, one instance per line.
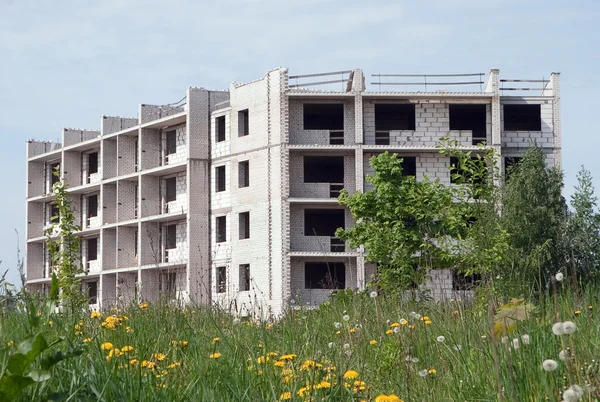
x=558, y=328
x=516, y=343
x=373, y=294
x=412, y=314
x=236, y=321
x=414, y=359
x=396, y=330
x=330, y=344
x=407, y=359
x=458, y=348
x=525, y=339
x=559, y=276
x=346, y=317
x=348, y=353
x=423, y=373
x=403, y=321
x=337, y=325
x=346, y=346
x=549, y=365
x=573, y=393
x=569, y=327
x=417, y=316
x=441, y=338
x=504, y=340
x=563, y=354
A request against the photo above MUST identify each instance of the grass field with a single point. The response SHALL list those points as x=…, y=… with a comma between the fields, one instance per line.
x=354, y=348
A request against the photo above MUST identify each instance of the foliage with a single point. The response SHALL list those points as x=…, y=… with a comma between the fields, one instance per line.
x=402, y=222
x=63, y=246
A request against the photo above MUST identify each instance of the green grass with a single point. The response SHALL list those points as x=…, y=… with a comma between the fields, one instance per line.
x=247, y=369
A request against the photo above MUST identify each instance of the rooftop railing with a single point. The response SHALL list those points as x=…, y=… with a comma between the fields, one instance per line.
x=428, y=80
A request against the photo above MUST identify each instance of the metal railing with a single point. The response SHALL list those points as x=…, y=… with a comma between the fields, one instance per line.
x=544, y=82
x=334, y=189
x=336, y=137
x=337, y=245
x=426, y=83
x=343, y=79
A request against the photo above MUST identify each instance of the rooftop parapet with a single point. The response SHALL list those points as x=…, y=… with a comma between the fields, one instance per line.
x=72, y=136
x=113, y=124
x=155, y=112
x=35, y=148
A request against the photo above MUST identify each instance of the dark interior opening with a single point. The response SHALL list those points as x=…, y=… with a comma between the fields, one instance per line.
x=221, y=229
x=55, y=167
x=171, y=189
x=92, y=202
x=409, y=165
x=92, y=291
x=324, y=275
x=510, y=162
x=394, y=116
x=221, y=279
x=171, y=146
x=169, y=284
x=522, y=118
x=92, y=249
x=171, y=237
x=93, y=163
x=462, y=282
x=220, y=122
x=243, y=174
x=469, y=117
x=323, y=169
x=220, y=172
x=243, y=122
x=323, y=116
x=54, y=213
x=244, y=225
x=244, y=277
x=323, y=222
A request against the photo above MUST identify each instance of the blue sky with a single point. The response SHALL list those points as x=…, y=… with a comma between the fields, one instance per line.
x=65, y=63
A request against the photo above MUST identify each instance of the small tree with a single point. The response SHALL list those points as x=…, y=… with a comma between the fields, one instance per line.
x=63, y=246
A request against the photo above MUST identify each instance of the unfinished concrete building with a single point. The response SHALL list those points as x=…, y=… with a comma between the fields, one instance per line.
x=229, y=197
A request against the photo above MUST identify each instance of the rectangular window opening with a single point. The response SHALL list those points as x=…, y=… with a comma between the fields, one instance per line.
x=221, y=229
x=469, y=117
x=170, y=189
x=324, y=169
x=170, y=237
x=323, y=222
x=324, y=116
x=243, y=174
x=243, y=123
x=92, y=204
x=324, y=275
x=510, y=163
x=220, y=178
x=462, y=282
x=54, y=178
x=93, y=163
x=92, y=292
x=409, y=165
x=522, y=118
x=92, y=249
x=244, y=277
x=462, y=175
x=394, y=116
x=171, y=142
x=169, y=283
x=221, y=279
x=220, y=123
x=244, y=225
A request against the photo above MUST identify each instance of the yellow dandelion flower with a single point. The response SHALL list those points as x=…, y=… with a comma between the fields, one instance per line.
x=87, y=340
x=106, y=346
x=395, y=324
x=115, y=352
x=95, y=314
x=590, y=307
x=432, y=371
x=323, y=384
x=128, y=330
x=184, y=344
x=403, y=322
x=133, y=362
x=151, y=365
x=10, y=343
x=287, y=379
x=217, y=339
x=279, y=363
x=373, y=342
x=126, y=349
x=288, y=356
x=287, y=371
x=307, y=365
x=350, y=375
x=338, y=332
x=144, y=304
x=50, y=323
x=160, y=356
x=387, y=398
x=427, y=322
x=577, y=312
x=302, y=391
x=215, y=355
x=269, y=326
x=389, y=332
x=411, y=326
x=285, y=396
x=39, y=313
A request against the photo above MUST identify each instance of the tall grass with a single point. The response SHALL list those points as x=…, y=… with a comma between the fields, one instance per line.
x=201, y=354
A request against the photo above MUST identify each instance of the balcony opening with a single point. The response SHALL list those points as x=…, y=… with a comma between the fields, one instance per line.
x=324, y=275
x=220, y=123
x=92, y=206
x=54, y=178
x=221, y=279
x=243, y=174
x=92, y=292
x=394, y=116
x=323, y=222
x=220, y=178
x=469, y=117
x=324, y=116
x=243, y=123
x=409, y=165
x=168, y=284
x=93, y=162
x=92, y=249
x=244, y=225
x=221, y=229
x=324, y=169
x=244, y=277
x=170, y=189
x=522, y=118
x=52, y=213
x=171, y=142
x=510, y=162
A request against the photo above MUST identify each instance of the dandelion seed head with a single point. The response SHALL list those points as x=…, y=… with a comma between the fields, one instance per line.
x=515, y=343
x=373, y=294
x=414, y=359
x=346, y=346
x=558, y=329
x=396, y=330
x=236, y=321
x=337, y=325
x=346, y=317
x=569, y=327
x=458, y=347
x=525, y=339
x=441, y=338
x=330, y=345
x=549, y=365
x=559, y=276
x=412, y=314
x=423, y=373
x=417, y=316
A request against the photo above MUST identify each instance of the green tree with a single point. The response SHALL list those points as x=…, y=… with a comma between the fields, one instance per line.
x=64, y=248
x=403, y=223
